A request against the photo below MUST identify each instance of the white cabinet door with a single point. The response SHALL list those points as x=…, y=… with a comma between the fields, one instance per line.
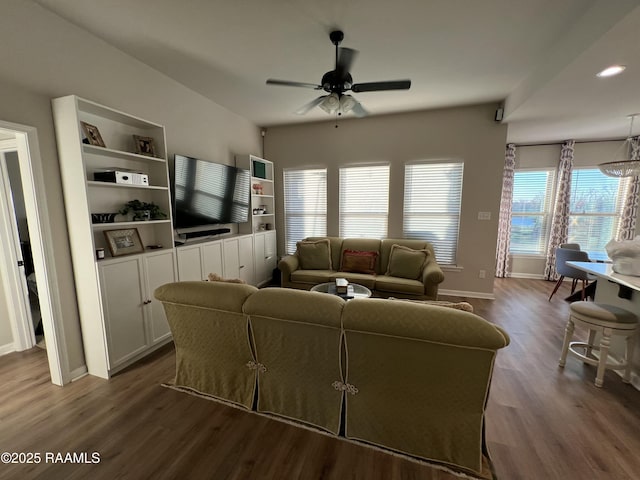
x=270, y=252
x=190, y=263
x=160, y=269
x=212, y=259
x=245, y=252
x=123, y=294
x=259, y=252
x=264, y=244
x=232, y=258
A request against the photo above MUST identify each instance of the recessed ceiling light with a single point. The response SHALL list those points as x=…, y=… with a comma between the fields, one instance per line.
x=612, y=70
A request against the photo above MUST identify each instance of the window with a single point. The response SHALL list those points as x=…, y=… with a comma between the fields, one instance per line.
x=364, y=201
x=531, y=211
x=432, y=200
x=596, y=203
x=305, y=205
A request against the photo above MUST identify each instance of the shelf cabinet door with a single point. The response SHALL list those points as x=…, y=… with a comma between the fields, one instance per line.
x=123, y=292
x=232, y=258
x=212, y=259
x=190, y=264
x=159, y=269
x=245, y=252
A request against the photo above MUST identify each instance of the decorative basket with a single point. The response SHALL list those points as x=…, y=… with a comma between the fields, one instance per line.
x=103, y=217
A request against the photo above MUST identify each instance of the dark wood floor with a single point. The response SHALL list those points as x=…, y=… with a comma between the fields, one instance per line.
x=542, y=422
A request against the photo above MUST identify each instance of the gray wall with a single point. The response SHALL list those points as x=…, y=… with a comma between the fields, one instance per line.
x=467, y=133
x=43, y=57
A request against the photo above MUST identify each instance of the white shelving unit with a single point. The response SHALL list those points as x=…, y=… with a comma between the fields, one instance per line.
x=262, y=214
x=121, y=322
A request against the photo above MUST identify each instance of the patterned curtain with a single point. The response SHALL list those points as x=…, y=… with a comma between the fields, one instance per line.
x=627, y=225
x=560, y=220
x=504, y=223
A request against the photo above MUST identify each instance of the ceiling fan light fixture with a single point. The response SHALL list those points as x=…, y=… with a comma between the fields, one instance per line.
x=331, y=103
x=347, y=102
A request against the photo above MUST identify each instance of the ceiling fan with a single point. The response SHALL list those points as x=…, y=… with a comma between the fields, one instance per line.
x=338, y=81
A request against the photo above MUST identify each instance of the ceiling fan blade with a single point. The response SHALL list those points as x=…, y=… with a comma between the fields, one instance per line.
x=346, y=57
x=359, y=111
x=287, y=83
x=313, y=103
x=379, y=86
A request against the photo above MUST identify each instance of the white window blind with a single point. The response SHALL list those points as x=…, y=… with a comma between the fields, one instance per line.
x=531, y=211
x=364, y=201
x=432, y=200
x=305, y=205
x=596, y=202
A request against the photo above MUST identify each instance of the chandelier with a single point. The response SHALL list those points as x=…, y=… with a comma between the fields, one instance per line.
x=629, y=167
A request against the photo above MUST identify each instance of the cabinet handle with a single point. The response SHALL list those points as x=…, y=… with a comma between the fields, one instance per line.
x=241, y=266
x=147, y=302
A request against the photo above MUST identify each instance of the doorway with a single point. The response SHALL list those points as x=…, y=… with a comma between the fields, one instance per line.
x=19, y=143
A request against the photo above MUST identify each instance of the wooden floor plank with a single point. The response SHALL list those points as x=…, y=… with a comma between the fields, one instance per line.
x=542, y=422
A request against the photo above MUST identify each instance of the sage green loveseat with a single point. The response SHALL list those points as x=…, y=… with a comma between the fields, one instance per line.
x=402, y=375
x=395, y=272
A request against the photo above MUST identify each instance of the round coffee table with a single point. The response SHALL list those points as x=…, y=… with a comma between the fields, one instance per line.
x=354, y=290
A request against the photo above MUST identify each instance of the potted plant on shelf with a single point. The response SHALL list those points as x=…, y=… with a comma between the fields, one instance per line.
x=143, y=211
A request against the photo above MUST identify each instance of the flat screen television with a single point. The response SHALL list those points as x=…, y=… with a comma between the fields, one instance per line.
x=207, y=193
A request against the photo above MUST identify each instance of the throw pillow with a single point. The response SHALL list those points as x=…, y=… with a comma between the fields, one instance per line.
x=405, y=262
x=358, y=261
x=314, y=255
x=214, y=277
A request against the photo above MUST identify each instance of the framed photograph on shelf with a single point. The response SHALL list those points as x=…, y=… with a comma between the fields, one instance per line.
x=144, y=146
x=124, y=242
x=92, y=133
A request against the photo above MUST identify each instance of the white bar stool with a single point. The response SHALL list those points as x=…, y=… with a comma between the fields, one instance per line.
x=609, y=320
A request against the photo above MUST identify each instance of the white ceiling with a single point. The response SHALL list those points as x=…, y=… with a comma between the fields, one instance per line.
x=540, y=57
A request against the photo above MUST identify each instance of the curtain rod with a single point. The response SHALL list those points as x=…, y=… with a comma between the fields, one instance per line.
x=560, y=143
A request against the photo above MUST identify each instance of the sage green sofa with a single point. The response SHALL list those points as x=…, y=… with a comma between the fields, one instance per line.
x=405, y=376
x=408, y=278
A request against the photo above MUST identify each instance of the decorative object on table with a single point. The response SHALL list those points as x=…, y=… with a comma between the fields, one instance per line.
x=92, y=134
x=262, y=227
x=124, y=242
x=625, y=256
x=629, y=166
x=143, y=211
x=103, y=217
x=342, y=286
x=264, y=209
x=144, y=146
x=257, y=188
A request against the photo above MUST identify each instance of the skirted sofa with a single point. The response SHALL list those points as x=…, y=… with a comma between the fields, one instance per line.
x=405, y=376
x=388, y=267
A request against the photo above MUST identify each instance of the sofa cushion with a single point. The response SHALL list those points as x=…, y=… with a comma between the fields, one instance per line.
x=405, y=262
x=314, y=255
x=385, y=283
x=387, y=243
x=312, y=277
x=358, y=261
x=364, y=279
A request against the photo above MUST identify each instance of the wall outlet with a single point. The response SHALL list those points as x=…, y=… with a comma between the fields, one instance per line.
x=484, y=215
x=482, y=274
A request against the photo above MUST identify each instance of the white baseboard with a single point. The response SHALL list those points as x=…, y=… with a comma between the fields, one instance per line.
x=531, y=276
x=462, y=293
x=78, y=373
x=8, y=348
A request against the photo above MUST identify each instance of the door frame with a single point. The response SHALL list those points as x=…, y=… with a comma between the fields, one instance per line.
x=16, y=293
x=41, y=238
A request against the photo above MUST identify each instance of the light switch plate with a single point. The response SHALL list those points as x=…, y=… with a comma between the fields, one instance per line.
x=484, y=215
